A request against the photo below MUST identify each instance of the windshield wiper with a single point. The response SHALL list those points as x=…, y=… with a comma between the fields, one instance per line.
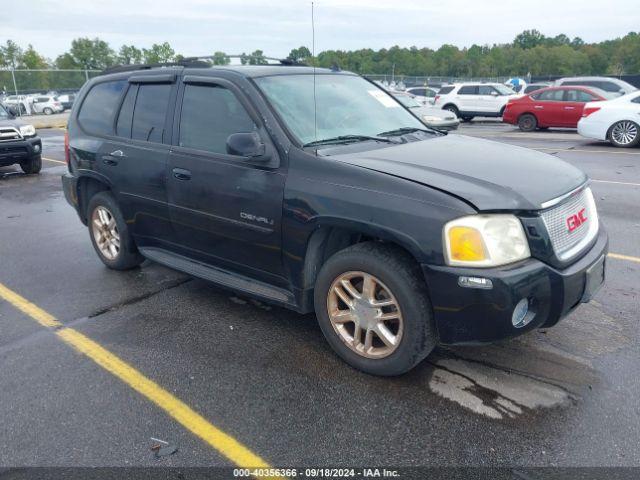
x=405, y=130
x=347, y=139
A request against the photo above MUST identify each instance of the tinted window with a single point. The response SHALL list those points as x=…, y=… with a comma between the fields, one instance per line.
x=418, y=91
x=551, y=95
x=150, y=112
x=430, y=93
x=468, y=90
x=209, y=115
x=445, y=90
x=604, y=85
x=485, y=90
x=125, y=117
x=636, y=100
x=96, y=114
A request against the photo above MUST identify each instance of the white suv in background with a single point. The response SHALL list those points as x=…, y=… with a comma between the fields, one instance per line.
x=47, y=105
x=468, y=100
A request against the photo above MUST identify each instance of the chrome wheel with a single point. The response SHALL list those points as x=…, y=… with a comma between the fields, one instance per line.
x=365, y=314
x=105, y=232
x=624, y=133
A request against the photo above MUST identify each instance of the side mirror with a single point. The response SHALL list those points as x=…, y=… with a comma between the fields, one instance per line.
x=245, y=144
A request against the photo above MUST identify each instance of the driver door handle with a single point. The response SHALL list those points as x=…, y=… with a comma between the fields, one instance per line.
x=182, y=174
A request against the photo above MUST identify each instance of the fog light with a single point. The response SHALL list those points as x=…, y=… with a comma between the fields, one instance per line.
x=520, y=317
x=475, y=282
x=36, y=148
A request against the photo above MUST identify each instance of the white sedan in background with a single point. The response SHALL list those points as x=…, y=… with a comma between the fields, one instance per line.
x=617, y=121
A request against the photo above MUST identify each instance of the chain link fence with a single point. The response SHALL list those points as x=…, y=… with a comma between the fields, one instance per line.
x=432, y=81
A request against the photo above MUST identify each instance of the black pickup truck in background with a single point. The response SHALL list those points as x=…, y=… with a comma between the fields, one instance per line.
x=19, y=143
x=317, y=190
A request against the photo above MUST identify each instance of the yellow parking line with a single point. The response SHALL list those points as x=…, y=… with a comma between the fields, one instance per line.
x=52, y=160
x=178, y=410
x=628, y=258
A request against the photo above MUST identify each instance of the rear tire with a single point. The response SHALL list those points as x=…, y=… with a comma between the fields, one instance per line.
x=406, y=336
x=527, y=122
x=624, y=134
x=110, y=234
x=32, y=166
x=467, y=119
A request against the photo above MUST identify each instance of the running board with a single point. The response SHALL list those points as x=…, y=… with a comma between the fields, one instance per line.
x=218, y=276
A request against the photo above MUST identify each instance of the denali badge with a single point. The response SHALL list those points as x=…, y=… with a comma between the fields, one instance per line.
x=574, y=221
x=255, y=218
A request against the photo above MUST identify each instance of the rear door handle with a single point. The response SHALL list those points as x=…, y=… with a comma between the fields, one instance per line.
x=569, y=108
x=539, y=107
x=182, y=174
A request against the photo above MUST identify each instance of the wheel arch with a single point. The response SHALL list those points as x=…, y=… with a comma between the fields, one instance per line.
x=334, y=235
x=87, y=187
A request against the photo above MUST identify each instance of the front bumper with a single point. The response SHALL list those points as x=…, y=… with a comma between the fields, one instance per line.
x=471, y=315
x=16, y=151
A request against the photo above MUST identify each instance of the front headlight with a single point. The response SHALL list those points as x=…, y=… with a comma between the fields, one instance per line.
x=485, y=241
x=430, y=118
x=27, y=130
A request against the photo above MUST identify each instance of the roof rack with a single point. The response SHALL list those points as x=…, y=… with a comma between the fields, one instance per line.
x=200, y=62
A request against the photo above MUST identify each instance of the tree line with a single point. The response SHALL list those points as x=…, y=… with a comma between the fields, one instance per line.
x=530, y=52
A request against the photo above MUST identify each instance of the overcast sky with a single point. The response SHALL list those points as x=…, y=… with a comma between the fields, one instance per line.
x=199, y=27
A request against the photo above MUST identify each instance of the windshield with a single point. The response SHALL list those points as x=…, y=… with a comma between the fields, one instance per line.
x=407, y=100
x=504, y=90
x=346, y=105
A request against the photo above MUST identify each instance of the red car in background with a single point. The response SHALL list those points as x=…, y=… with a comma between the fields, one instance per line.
x=551, y=107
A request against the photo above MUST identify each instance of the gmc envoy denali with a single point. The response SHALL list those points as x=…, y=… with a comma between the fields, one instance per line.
x=322, y=192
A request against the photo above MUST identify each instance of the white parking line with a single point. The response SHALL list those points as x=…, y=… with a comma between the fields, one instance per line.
x=617, y=183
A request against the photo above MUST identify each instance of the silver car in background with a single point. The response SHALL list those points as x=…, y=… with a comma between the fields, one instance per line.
x=431, y=116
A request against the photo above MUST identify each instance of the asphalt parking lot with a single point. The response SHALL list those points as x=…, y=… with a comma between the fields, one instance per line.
x=264, y=378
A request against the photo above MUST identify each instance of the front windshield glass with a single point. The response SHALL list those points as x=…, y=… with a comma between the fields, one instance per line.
x=346, y=105
x=408, y=101
x=504, y=90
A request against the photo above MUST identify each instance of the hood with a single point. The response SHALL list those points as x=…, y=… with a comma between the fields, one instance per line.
x=10, y=122
x=489, y=175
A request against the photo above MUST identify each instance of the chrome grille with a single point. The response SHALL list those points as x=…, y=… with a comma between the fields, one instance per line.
x=569, y=236
x=9, y=133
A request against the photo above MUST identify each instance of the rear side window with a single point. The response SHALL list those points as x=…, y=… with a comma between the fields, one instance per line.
x=581, y=96
x=209, y=115
x=150, y=112
x=636, y=100
x=486, y=90
x=445, y=90
x=551, y=95
x=98, y=107
x=419, y=91
x=468, y=90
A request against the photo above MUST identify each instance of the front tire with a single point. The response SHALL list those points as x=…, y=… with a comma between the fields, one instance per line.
x=527, y=122
x=373, y=308
x=624, y=134
x=47, y=111
x=32, y=166
x=453, y=109
x=110, y=234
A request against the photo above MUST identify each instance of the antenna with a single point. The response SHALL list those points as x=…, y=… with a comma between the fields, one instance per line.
x=313, y=53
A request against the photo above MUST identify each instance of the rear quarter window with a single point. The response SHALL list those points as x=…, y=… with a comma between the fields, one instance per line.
x=445, y=90
x=98, y=108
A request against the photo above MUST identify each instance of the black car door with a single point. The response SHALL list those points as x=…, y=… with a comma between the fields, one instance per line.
x=135, y=160
x=226, y=209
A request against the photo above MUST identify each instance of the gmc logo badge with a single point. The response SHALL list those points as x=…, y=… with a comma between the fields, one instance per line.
x=574, y=221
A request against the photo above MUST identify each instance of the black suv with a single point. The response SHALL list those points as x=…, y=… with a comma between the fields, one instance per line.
x=19, y=143
x=321, y=191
